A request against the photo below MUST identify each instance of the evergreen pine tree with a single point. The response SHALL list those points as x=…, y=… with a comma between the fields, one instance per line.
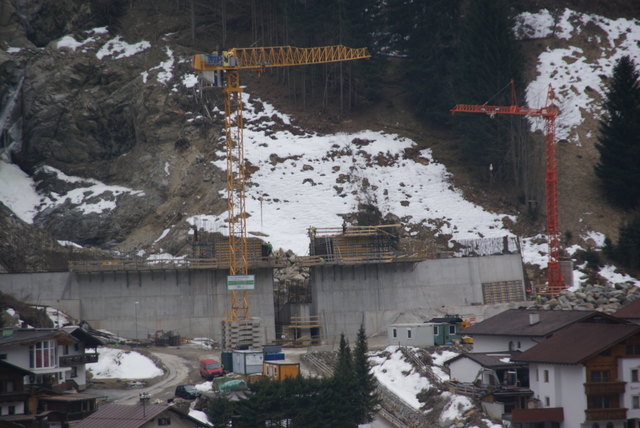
x=627, y=252
x=220, y=412
x=619, y=142
x=344, y=368
x=365, y=381
x=342, y=390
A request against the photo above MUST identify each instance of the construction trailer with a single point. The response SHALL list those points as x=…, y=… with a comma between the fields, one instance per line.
x=280, y=370
x=446, y=329
x=411, y=334
x=247, y=361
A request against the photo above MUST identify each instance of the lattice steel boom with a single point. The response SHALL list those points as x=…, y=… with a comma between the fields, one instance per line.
x=222, y=70
x=555, y=282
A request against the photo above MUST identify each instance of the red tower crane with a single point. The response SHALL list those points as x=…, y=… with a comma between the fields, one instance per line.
x=555, y=282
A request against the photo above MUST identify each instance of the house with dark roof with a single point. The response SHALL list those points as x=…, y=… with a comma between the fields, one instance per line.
x=13, y=394
x=139, y=416
x=53, y=356
x=521, y=329
x=51, y=366
x=500, y=383
x=629, y=312
x=585, y=375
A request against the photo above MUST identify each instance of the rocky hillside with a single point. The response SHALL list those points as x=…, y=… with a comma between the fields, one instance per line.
x=97, y=95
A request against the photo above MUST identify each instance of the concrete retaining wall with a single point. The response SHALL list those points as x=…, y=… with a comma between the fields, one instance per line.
x=189, y=303
x=377, y=295
x=193, y=303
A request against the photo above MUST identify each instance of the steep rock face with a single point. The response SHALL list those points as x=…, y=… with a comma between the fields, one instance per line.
x=25, y=248
x=109, y=108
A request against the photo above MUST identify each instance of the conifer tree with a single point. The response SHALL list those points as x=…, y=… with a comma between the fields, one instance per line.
x=365, y=381
x=627, y=252
x=619, y=142
x=342, y=391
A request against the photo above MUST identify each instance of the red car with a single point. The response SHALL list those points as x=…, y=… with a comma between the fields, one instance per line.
x=210, y=369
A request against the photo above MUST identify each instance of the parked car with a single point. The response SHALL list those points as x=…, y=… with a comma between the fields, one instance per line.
x=210, y=369
x=188, y=392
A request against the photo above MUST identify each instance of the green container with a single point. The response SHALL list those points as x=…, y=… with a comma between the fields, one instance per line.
x=227, y=361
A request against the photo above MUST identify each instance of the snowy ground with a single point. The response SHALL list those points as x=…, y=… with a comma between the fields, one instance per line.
x=305, y=179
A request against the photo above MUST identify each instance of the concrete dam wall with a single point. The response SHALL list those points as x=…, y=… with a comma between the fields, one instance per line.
x=376, y=295
x=192, y=303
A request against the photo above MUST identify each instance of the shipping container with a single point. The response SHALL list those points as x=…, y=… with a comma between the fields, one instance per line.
x=279, y=370
x=226, y=358
x=274, y=357
x=247, y=361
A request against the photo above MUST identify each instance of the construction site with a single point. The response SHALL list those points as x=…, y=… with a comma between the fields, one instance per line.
x=358, y=274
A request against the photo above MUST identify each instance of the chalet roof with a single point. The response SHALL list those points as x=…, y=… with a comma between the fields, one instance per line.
x=516, y=322
x=20, y=370
x=629, y=311
x=490, y=360
x=578, y=342
x=19, y=336
x=84, y=336
x=128, y=416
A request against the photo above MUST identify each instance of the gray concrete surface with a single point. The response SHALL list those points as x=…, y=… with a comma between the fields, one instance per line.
x=377, y=295
x=189, y=303
x=193, y=303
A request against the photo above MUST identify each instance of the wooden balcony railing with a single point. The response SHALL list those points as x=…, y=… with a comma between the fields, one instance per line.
x=74, y=360
x=606, y=414
x=604, y=388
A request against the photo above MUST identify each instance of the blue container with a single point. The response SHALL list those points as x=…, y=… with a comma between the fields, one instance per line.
x=274, y=357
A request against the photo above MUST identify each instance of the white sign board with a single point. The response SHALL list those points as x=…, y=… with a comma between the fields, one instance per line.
x=241, y=282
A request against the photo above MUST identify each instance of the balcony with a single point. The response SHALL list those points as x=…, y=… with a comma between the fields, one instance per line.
x=74, y=360
x=606, y=414
x=604, y=388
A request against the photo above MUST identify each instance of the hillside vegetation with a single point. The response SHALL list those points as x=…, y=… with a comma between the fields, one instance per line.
x=90, y=110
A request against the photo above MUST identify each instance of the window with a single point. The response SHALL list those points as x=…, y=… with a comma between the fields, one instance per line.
x=42, y=354
x=8, y=386
x=634, y=375
x=633, y=349
x=409, y=333
x=66, y=350
x=394, y=332
x=635, y=401
x=164, y=421
x=600, y=402
x=537, y=375
x=546, y=376
x=74, y=371
x=452, y=329
x=436, y=330
x=12, y=410
x=547, y=401
x=600, y=376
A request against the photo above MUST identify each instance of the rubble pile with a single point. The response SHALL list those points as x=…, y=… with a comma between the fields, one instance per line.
x=607, y=299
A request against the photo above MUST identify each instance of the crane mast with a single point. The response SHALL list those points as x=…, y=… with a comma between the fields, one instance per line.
x=222, y=70
x=555, y=281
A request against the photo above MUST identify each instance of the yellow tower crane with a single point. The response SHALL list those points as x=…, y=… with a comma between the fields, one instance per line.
x=222, y=70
